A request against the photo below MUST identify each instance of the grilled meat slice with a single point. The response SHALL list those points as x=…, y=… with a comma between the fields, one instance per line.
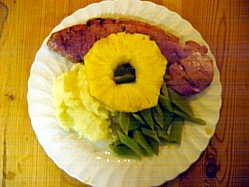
x=189, y=68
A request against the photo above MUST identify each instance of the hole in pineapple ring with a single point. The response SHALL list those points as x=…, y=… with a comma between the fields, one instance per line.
x=124, y=73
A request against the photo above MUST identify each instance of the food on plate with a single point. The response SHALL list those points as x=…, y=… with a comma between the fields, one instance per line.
x=120, y=50
x=132, y=85
x=189, y=69
x=76, y=109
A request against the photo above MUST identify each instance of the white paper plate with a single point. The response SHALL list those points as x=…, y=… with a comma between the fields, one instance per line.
x=94, y=164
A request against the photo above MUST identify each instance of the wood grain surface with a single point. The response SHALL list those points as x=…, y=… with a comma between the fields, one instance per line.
x=24, y=24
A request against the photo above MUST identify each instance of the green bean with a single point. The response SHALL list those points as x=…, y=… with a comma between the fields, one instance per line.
x=162, y=134
x=181, y=102
x=130, y=142
x=167, y=119
x=157, y=115
x=147, y=117
x=127, y=78
x=164, y=90
x=188, y=118
x=124, y=121
x=140, y=139
x=121, y=150
x=134, y=124
x=138, y=118
x=154, y=145
x=176, y=130
x=165, y=103
x=150, y=133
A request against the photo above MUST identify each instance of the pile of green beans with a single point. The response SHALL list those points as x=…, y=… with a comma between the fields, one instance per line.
x=140, y=134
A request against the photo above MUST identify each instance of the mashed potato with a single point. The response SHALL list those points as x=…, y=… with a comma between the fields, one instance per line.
x=76, y=109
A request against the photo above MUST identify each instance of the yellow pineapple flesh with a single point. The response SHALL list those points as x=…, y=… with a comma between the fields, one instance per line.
x=142, y=54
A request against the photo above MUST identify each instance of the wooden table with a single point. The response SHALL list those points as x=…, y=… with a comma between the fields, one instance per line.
x=24, y=25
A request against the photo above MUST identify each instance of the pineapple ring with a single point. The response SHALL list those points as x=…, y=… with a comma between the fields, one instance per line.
x=142, y=54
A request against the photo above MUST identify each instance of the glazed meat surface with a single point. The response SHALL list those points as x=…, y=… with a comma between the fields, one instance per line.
x=189, y=69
